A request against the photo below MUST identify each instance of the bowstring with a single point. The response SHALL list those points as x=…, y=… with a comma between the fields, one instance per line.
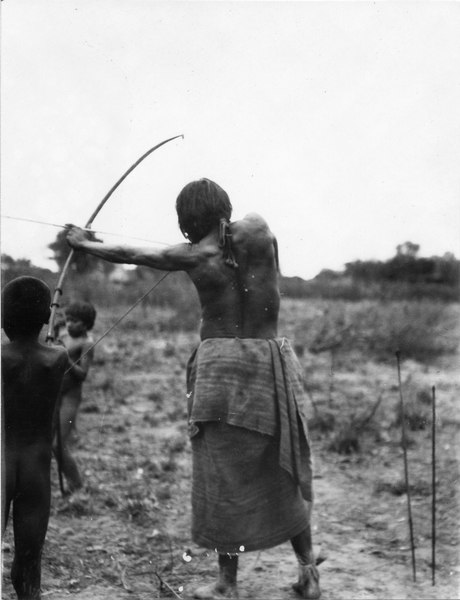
x=118, y=321
x=121, y=235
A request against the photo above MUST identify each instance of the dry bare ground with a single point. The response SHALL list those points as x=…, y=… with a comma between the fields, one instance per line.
x=127, y=534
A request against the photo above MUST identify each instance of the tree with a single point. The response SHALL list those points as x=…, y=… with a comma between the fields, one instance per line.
x=408, y=249
x=82, y=263
x=12, y=268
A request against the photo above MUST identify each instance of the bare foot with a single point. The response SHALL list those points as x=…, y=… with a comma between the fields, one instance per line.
x=308, y=584
x=216, y=591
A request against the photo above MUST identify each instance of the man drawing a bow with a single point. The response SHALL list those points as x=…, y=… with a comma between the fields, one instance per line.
x=252, y=476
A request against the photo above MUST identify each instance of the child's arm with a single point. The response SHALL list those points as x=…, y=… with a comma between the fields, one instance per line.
x=80, y=368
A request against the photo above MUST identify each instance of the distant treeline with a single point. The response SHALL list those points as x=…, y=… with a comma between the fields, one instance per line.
x=12, y=268
x=405, y=276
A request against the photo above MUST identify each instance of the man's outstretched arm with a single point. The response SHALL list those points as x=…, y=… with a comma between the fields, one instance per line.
x=181, y=257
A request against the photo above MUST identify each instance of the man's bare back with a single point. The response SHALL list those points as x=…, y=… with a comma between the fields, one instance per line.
x=240, y=301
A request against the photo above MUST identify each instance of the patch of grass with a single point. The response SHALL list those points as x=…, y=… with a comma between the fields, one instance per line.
x=421, y=330
x=79, y=504
x=417, y=409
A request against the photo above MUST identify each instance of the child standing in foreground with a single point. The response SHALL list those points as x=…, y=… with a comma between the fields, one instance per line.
x=31, y=378
x=79, y=320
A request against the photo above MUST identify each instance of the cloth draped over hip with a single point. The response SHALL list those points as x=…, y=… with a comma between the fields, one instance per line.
x=255, y=384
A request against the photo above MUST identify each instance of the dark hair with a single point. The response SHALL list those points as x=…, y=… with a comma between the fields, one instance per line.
x=82, y=310
x=200, y=206
x=25, y=306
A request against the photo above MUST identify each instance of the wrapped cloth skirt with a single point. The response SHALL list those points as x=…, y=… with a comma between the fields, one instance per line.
x=242, y=499
x=252, y=471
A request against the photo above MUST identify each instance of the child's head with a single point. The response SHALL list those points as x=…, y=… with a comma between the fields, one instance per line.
x=25, y=307
x=81, y=311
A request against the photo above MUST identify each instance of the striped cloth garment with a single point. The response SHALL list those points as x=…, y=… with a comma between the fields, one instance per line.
x=251, y=456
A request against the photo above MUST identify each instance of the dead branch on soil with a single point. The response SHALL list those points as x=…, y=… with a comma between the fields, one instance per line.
x=122, y=573
x=165, y=585
x=368, y=418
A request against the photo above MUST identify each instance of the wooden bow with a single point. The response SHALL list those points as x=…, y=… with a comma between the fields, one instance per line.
x=58, y=292
x=59, y=285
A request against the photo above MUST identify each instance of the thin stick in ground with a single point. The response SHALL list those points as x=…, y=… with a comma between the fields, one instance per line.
x=406, y=469
x=433, y=485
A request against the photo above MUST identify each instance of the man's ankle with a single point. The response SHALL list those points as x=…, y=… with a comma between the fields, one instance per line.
x=308, y=584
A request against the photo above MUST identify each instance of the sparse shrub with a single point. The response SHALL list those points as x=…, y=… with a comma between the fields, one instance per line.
x=151, y=419
x=346, y=441
x=424, y=396
x=138, y=503
x=110, y=501
x=183, y=319
x=177, y=413
x=137, y=510
x=102, y=381
x=156, y=397
x=322, y=421
x=352, y=430
x=99, y=360
x=420, y=330
x=177, y=444
x=119, y=428
x=79, y=504
x=417, y=409
x=168, y=464
x=90, y=407
x=164, y=493
x=170, y=349
x=398, y=487
x=299, y=349
x=414, y=419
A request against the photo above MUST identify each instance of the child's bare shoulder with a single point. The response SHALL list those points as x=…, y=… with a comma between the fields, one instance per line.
x=85, y=343
x=14, y=356
x=78, y=344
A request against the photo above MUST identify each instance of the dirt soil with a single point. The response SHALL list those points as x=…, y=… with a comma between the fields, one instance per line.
x=127, y=534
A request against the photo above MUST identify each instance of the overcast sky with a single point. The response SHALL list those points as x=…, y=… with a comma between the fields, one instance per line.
x=338, y=122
